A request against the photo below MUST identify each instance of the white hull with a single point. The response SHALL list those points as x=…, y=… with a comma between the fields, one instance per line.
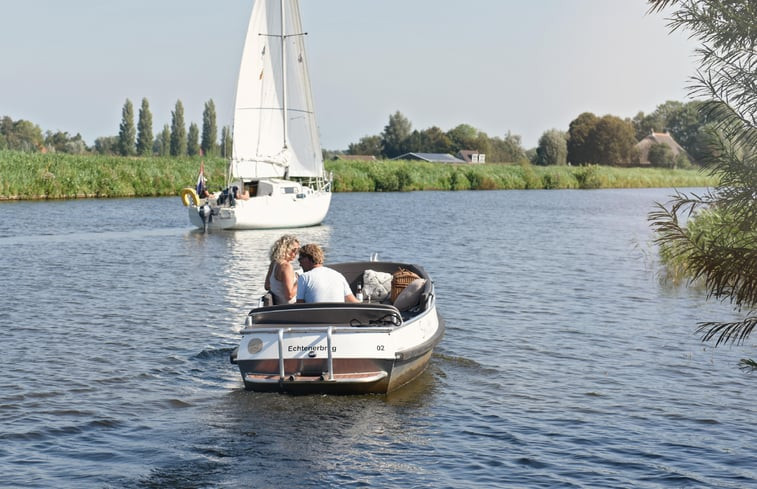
x=265, y=212
x=338, y=348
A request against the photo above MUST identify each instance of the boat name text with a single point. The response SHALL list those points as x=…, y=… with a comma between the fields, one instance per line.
x=294, y=348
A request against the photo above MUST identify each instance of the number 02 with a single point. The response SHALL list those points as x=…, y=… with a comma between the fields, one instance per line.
x=380, y=347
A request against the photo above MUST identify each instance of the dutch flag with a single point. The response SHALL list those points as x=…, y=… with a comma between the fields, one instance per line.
x=201, y=180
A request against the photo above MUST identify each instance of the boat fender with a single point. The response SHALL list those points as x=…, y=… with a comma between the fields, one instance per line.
x=189, y=196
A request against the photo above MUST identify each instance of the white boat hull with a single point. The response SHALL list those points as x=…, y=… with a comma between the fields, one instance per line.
x=338, y=348
x=264, y=212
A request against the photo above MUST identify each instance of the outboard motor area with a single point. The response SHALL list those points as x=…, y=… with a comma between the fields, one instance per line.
x=206, y=213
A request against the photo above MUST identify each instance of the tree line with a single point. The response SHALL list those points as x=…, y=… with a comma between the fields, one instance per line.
x=132, y=140
x=590, y=139
x=172, y=140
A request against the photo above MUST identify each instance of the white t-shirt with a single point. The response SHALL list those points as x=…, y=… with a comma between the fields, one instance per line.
x=322, y=284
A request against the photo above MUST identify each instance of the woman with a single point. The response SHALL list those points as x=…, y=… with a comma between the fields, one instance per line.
x=281, y=279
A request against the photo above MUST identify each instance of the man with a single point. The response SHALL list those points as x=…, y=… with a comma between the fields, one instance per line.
x=319, y=283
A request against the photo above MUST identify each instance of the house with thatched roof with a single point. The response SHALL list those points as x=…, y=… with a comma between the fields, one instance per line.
x=642, y=147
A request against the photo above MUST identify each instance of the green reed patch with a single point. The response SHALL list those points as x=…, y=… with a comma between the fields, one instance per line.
x=62, y=176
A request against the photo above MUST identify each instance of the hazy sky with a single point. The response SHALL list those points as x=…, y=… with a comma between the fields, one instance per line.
x=499, y=65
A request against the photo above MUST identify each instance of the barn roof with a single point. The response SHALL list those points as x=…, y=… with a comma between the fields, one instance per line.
x=431, y=157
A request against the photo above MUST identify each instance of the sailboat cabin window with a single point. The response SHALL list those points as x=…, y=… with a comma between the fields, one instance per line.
x=290, y=190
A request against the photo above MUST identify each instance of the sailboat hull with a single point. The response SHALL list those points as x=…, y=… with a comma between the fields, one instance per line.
x=265, y=212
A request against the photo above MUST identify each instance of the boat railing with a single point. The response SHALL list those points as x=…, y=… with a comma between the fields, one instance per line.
x=330, y=332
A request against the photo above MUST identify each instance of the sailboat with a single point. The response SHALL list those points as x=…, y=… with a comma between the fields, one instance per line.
x=276, y=177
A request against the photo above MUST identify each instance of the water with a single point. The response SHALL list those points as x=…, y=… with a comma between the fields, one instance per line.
x=565, y=363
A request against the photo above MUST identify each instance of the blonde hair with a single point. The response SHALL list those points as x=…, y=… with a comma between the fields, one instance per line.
x=314, y=252
x=283, y=246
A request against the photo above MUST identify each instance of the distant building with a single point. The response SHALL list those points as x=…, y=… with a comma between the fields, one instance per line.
x=657, y=138
x=430, y=157
x=471, y=156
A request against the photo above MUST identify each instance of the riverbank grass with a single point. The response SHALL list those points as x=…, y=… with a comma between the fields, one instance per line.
x=25, y=176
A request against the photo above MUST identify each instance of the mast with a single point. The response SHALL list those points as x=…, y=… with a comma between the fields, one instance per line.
x=283, y=74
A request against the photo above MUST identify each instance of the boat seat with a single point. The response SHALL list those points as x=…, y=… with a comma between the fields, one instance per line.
x=327, y=313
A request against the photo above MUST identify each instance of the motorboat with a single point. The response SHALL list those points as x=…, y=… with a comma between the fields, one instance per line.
x=276, y=177
x=374, y=346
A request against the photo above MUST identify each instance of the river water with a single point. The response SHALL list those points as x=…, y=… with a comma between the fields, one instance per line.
x=565, y=364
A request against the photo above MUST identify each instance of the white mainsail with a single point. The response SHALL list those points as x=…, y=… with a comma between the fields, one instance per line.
x=275, y=132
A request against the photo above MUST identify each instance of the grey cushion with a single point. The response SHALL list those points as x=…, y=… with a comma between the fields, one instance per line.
x=410, y=296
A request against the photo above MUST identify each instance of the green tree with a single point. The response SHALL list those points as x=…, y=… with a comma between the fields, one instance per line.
x=61, y=142
x=612, y=142
x=719, y=243
x=645, y=124
x=107, y=145
x=226, y=142
x=660, y=155
x=463, y=136
x=394, y=135
x=434, y=140
x=164, y=141
x=20, y=135
x=178, y=131
x=144, y=130
x=193, y=140
x=692, y=130
x=552, y=148
x=580, y=129
x=127, y=133
x=368, y=145
x=431, y=140
x=209, y=143
x=506, y=150
x=55, y=142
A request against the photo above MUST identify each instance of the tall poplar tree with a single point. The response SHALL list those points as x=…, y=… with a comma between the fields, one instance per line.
x=126, y=132
x=144, y=130
x=209, y=143
x=178, y=131
x=193, y=137
x=226, y=142
x=165, y=141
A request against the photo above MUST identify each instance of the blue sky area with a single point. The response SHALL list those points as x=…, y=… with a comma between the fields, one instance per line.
x=498, y=65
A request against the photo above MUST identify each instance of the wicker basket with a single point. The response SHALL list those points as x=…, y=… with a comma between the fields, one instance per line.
x=400, y=280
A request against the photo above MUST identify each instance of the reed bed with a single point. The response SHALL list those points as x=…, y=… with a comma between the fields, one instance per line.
x=62, y=176
x=26, y=176
x=393, y=176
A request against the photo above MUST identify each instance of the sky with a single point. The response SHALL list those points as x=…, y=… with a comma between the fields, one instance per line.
x=518, y=66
